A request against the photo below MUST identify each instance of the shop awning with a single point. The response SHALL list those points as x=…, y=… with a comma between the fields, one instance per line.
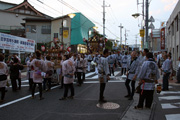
x=79, y=28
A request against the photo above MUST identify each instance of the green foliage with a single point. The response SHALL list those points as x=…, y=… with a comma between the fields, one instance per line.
x=108, y=45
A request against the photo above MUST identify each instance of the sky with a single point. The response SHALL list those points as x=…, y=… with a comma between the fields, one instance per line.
x=117, y=11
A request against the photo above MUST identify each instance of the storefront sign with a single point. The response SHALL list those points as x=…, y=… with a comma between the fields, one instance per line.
x=65, y=33
x=162, y=38
x=10, y=42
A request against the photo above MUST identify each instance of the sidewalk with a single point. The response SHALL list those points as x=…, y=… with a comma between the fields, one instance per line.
x=145, y=114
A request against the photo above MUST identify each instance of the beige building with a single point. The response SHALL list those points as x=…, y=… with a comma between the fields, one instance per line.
x=173, y=34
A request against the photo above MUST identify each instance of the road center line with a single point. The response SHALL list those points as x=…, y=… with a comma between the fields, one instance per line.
x=20, y=99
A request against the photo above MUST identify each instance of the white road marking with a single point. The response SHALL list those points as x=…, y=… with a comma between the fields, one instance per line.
x=24, y=81
x=23, y=98
x=96, y=76
x=111, y=81
x=172, y=116
x=169, y=92
x=169, y=98
x=89, y=74
x=170, y=106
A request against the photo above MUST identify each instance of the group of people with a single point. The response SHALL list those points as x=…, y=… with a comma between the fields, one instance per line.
x=142, y=66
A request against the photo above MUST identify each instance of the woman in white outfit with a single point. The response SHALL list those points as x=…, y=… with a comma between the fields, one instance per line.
x=38, y=66
x=3, y=77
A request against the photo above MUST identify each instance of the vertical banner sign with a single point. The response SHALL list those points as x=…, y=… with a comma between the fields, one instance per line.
x=11, y=42
x=162, y=38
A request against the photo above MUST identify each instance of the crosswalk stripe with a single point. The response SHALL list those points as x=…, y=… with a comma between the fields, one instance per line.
x=89, y=74
x=170, y=106
x=172, y=116
x=169, y=92
x=169, y=98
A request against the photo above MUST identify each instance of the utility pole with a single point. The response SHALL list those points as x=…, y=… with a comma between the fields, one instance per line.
x=136, y=41
x=121, y=27
x=104, y=19
x=143, y=22
x=125, y=37
x=147, y=20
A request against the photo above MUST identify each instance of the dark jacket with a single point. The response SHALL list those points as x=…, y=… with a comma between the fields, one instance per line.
x=14, y=71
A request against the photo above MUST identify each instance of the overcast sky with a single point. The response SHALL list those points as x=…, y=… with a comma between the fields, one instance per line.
x=120, y=11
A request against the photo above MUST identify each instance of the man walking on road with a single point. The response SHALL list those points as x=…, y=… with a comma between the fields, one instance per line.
x=103, y=74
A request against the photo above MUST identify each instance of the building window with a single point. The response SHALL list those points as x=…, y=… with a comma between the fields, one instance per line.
x=31, y=28
x=177, y=25
x=172, y=28
x=46, y=29
x=177, y=52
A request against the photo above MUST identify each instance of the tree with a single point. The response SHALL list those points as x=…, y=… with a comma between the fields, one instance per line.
x=108, y=45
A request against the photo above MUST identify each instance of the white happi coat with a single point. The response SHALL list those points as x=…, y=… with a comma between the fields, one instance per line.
x=67, y=68
x=149, y=71
x=84, y=65
x=3, y=71
x=124, y=61
x=141, y=60
x=79, y=65
x=46, y=68
x=119, y=58
x=132, y=68
x=111, y=60
x=89, y=58
x=29, y=71
x=103, y=68
x=166, y=66
x=38, y=66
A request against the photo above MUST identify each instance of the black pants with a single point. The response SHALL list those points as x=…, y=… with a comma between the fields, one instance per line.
x=83, y=76
x=130, y=92
x=111, y=69
x=14, y=84
x=30, y=83
x=2, y=89
x=178, y=75
x=66, y=87
x=62, y=82
x=102, y=88
x=148, y=96
x=79, y=78
x=165, y=81
x=40, y=89
x=45, y=82
x=123, y=71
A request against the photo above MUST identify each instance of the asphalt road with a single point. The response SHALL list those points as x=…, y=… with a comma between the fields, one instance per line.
x=20, y=106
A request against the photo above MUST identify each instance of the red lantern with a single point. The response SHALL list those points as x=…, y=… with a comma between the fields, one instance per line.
x=69, y=49
x=106, y=39
x=43, y=48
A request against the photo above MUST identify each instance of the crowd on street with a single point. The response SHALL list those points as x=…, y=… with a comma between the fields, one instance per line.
x=143, y=67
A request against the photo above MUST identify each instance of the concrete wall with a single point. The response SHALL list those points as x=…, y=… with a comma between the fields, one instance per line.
x=38, y=36
x=55, y=28
x=12, y=19
x=173, y=41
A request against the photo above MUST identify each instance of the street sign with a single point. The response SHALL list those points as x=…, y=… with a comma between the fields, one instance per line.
x=151, y=19
x=142, y=32
x=151, y=26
